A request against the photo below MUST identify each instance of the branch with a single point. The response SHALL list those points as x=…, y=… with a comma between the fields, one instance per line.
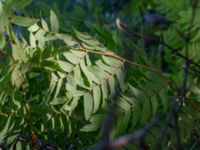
x=195, y=106
x=136, y=136
x=108, y=122
x=176, y=109
x=166, y=125
x=112, y=54
x=137, y=34
x=187, y=63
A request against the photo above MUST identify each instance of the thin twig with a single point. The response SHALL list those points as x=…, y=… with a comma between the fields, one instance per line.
x=186, y=75
x=133, y=63
x=108, y=121
x=135, y=136
x=112, y=54
x=194, y=105
x=177, y=129
x=164, y=130
x=175, y=51
x=187, y=63
x=176, y=109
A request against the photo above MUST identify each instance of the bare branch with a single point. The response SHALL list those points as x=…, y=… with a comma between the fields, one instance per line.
x=166, y=125
x=108, y=121
x=136, y=136
x=175, y=51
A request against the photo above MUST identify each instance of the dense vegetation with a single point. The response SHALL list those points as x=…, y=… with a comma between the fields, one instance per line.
x=99, y=74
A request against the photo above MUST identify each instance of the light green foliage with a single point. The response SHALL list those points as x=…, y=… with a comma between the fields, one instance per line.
x=55, y=83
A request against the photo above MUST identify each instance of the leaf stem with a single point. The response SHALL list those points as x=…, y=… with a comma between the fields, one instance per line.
x=112, y=54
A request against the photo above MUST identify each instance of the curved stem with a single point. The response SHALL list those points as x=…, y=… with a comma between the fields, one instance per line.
x=112, y=54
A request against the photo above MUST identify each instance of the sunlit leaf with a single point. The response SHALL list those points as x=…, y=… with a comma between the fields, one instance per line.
x=33, y=28
x=88, y=105
x=24, y=21
x=44, y=25
x=32, y=40
x=95, y=123
x=54, y=22
x=112, y=61
x=97, y=98
x=65, y=66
